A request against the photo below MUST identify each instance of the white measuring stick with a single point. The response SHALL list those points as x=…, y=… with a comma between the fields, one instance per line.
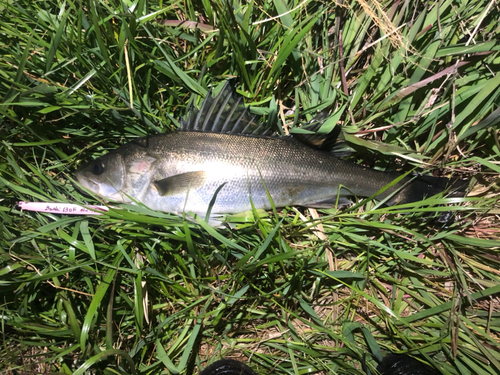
x=62, y=208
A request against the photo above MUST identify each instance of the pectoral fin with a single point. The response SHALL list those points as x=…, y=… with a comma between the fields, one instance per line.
x=180, y=183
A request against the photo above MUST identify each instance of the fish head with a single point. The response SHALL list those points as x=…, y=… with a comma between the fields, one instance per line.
x=105, y=176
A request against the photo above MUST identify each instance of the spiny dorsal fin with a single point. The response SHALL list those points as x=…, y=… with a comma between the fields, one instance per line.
x=226, y=113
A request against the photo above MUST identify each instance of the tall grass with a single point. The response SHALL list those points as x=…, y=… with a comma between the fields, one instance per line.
x=410, y=84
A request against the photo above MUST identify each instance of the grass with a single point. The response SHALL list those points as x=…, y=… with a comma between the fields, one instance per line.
x=411, y=84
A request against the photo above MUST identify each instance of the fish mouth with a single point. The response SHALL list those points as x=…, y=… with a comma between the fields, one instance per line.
x=85, y=181
x=84, y=184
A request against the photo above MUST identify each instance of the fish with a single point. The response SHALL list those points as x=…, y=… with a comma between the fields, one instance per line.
x=223, y=161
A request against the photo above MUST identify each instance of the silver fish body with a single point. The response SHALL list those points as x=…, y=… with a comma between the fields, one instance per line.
x=184, y=171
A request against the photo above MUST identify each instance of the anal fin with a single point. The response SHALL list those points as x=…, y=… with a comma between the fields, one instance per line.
x=330, y=203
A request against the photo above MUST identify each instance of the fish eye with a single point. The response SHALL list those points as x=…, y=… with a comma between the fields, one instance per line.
x=97, y=167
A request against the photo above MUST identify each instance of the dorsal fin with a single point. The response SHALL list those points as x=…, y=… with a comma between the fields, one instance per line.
x=331, y=142
x=226, y=113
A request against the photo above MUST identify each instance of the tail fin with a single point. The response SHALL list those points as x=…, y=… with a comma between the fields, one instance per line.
x=426, y=186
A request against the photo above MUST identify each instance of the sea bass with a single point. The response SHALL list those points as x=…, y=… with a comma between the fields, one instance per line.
x=220, y=158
